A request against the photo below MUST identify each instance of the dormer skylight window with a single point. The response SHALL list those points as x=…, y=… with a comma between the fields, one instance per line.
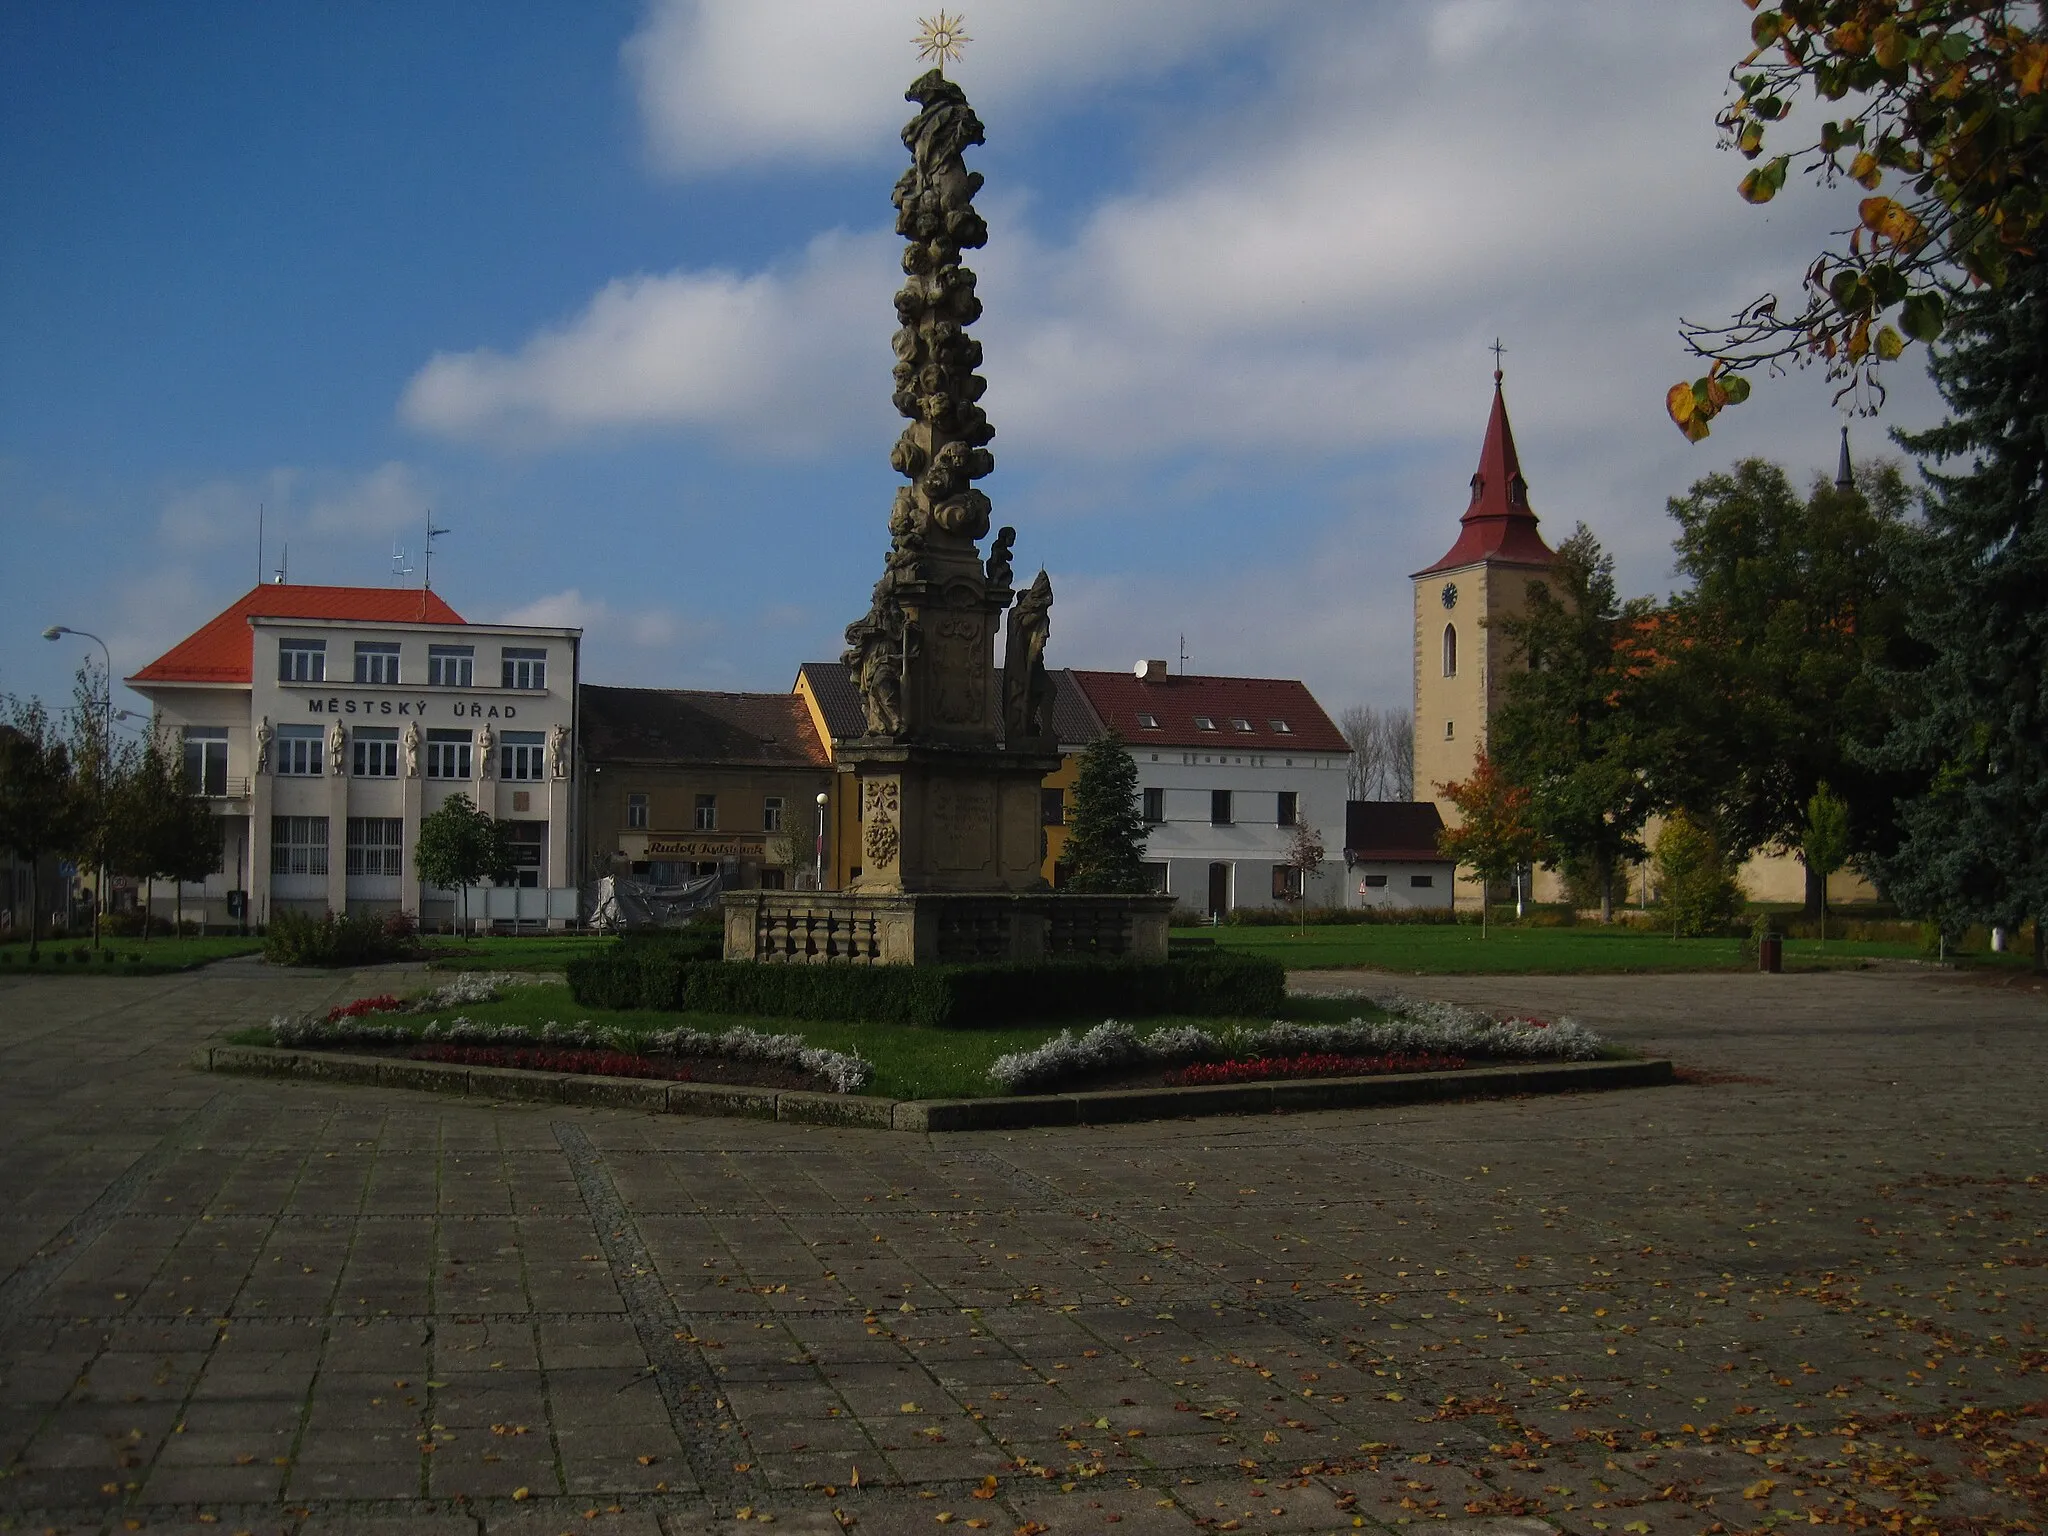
x=1149, y=722
x=1282, y=727
x=1204, y=723
x=1240, y=725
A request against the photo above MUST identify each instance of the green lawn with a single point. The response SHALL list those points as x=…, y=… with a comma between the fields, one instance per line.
x=910, y=1063
x=1447, y=949
x=130, y=957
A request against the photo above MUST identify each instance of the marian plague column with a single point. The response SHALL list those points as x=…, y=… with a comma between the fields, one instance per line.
x=950, y=767
x=946, y=777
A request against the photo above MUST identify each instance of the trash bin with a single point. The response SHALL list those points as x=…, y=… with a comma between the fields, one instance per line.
x=1770, y=954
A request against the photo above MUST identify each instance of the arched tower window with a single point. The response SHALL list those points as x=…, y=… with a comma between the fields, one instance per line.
x=1450, y=650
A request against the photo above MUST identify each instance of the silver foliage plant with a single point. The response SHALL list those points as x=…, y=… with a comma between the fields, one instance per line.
x=1411, y=1024
x=846, y=1074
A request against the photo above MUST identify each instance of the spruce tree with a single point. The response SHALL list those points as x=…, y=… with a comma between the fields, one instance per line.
x=1106, y=834
x=1975, y=844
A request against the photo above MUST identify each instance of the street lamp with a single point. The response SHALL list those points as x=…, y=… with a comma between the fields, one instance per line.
x=823, y=801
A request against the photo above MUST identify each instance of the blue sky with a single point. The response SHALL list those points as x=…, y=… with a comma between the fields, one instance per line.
x=607, y=286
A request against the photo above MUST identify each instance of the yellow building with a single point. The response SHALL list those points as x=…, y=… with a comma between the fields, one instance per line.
x=1461, y=660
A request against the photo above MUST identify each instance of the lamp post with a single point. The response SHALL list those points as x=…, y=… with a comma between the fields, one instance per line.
x=823, y=801
x=58, y=632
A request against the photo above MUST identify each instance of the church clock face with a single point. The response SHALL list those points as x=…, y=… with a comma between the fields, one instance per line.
x=1450, y=594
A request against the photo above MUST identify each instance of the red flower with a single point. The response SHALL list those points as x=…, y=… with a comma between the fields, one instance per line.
x=363, y=1005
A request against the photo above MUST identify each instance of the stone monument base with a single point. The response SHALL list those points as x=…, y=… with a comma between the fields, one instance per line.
x=934, y=927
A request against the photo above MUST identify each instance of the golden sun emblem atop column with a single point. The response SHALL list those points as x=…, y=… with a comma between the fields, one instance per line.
x=940, y=38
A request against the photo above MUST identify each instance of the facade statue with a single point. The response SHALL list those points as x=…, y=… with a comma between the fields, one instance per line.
x=558, y=751
x=486, y=746
x=1025, y=684
x=409, y=743
x=266, y=733
x=999, y=571
x=337, y=749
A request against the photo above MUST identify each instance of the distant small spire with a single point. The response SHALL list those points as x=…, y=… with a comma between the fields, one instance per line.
x=1845, y=480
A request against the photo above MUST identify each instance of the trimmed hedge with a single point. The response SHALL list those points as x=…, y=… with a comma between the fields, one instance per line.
x=937, y=996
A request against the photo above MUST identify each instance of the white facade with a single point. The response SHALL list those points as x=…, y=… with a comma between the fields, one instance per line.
x=321, y=767
x=1212, y=864
x=1400, y=885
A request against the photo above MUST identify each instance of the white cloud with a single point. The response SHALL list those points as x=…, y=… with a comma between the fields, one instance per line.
x=603, y=624
x=724, y=83
x=781, y=359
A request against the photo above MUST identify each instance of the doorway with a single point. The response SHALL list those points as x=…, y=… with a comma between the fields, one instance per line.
x=1219, y=890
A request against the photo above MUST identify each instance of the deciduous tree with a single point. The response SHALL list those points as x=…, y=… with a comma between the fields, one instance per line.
x=460, y=845
x=1573, y=724
x=1934, y=110
x=39, y=809
x=1495, y=835
x=1824, y=844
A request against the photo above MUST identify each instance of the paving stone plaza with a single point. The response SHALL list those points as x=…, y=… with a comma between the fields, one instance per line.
x=1806, y=1286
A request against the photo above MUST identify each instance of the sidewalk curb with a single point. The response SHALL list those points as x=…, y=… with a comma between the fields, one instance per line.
x=1020, y=1112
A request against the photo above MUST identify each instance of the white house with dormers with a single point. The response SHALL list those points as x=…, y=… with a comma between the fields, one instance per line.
x=1228, y=769
x=322, y=723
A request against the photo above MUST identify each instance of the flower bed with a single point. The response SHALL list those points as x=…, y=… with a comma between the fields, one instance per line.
x=1265, y=1069
x=1411, y=1027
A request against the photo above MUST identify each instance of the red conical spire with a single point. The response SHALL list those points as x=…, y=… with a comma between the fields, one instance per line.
x=1498, y=524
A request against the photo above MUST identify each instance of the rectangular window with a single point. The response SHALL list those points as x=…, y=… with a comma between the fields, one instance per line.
x=636, y=811
x=1422, y=882
x=771, y=813
x=1289, y=809
x=298, y=845
x=1219, y=808
x=451, y=666
x=373, y=845
x=302, y=661
x=298, y=750
x=448, y=754
x=1375, y=882
x=1155, y=807
x=529, y=840
x=525, y=668
x=376, y=662
x=520, y=756
x=1286, y=882
x=376, y=752
x=1155, y=878
x=1052, y=807
x=206, y=759
x=707, y=813
x=771, y=879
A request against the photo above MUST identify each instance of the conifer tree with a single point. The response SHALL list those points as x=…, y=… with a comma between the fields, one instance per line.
x=1106, y=834
x=1975, y=845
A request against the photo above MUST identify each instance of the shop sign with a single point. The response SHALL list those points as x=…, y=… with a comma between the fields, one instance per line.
x=702, y=846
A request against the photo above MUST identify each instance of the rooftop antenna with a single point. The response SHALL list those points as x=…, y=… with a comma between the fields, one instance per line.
x=259, y=543
x=399, y=568
x=284, y=565
x=427, y=552
x=1183, y=655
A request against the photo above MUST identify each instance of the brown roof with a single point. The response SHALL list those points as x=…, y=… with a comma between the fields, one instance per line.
x=1498, y=524
x=1279, y=714
x=1396, y=831
x=1074, y=723
x=221, y=650
x=682, y=725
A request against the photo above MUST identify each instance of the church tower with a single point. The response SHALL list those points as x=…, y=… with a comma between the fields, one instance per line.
x=1484, y=577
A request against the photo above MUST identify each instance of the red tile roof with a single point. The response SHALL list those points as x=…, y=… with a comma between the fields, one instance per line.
x=219, y=651
x=1393, y=831
x=1120, y=698
x=1498, y=525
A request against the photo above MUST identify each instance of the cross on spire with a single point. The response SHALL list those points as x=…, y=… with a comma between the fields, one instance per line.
x=1496, y=349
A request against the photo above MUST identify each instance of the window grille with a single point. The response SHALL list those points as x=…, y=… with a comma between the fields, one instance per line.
x=298, y=845
x=373, y=845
